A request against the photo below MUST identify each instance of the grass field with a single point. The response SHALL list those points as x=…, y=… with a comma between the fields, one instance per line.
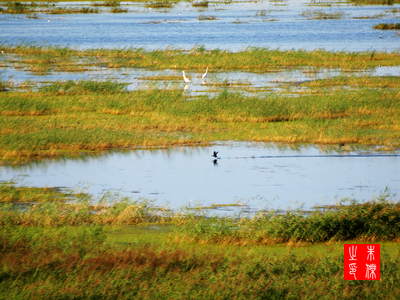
x=71, y=118
x=129, y=249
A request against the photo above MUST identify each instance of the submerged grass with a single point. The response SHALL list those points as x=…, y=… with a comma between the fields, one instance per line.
x=53, y=207
x=72, y=255
x=10, y=193
x=199, y=58
x=321, y=15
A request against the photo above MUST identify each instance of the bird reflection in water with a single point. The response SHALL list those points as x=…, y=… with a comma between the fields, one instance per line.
x=215, y=155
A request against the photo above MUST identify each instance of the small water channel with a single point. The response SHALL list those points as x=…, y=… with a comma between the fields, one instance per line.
x=259, y=174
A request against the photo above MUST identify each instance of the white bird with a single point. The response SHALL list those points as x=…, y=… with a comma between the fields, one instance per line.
x=185, y=78
x=205, y=74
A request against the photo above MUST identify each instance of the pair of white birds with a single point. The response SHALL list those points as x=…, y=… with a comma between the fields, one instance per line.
x=187, y=79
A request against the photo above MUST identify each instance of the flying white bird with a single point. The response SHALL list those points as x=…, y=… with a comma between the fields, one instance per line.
x=185, y=78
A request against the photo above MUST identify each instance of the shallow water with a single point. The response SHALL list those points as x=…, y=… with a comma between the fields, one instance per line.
x=234, y=27
x=264, y=175
x=138, y=78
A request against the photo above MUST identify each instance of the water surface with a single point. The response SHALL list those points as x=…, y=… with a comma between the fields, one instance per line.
x=233, y=26
x=260, y=174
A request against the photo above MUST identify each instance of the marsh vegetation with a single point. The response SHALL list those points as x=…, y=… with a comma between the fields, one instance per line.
x=321, y=15
x=81, y=249
x=32, y=8
x=41, y=59
x=67, y=117
x=160, y=4
x=384, y=26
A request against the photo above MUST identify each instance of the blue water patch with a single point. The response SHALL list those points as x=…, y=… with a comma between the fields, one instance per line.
x=261, y=175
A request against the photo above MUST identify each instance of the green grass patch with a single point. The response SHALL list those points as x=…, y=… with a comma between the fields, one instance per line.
x=65, y=263
x=66, y=118
x=43, y=59
x=83, y=86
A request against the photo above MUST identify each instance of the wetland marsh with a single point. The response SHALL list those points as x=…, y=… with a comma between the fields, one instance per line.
x=108, y=185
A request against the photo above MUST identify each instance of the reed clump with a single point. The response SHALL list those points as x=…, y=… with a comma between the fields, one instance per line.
x=116, y=10
x=375, y=2
x=77, y=10
x=160, y=4
x=200, y=4
x=18, y=8
x=385, y=26
x=4, y=86
x=107, y=3
x=375, y=220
